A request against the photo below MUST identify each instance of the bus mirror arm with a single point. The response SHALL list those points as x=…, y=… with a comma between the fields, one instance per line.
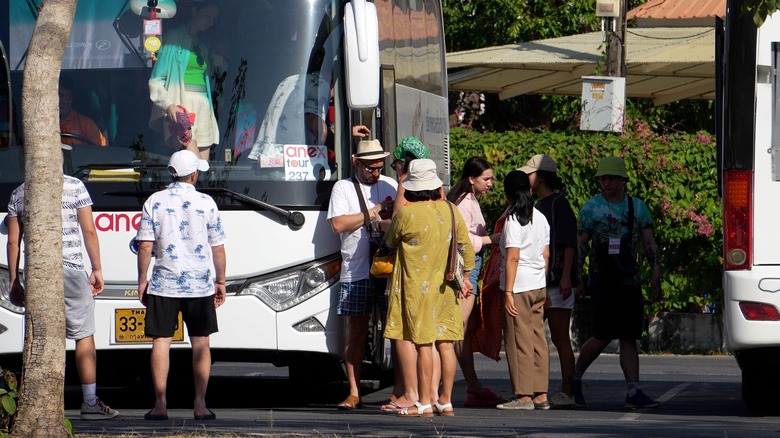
x=295, y=219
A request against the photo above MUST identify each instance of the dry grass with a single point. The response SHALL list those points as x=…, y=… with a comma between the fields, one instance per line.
x=204, y=435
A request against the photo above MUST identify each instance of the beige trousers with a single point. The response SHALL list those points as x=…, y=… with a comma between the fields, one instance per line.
x=526, y=345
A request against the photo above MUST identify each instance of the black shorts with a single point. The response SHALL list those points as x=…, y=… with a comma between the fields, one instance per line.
x=162, y=315
x=618, y=312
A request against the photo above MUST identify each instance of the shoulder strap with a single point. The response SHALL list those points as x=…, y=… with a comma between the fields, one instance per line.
x=453, y=261
x=363, y=207
x=552, y=228
x=630, y=216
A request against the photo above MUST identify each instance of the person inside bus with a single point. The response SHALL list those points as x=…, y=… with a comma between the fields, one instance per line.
x=76, y=128
x=80, y=288
x=180, y=83
x=355, y=214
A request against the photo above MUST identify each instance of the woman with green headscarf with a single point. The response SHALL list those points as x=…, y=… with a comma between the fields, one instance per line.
x=410, y=148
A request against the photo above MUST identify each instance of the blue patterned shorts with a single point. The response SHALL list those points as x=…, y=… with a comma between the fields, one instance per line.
x=357, y=299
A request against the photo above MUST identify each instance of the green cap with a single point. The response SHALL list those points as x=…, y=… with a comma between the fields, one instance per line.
x=612, y=166
x=412, y=145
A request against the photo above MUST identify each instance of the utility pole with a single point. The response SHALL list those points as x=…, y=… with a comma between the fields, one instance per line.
x=616, y=38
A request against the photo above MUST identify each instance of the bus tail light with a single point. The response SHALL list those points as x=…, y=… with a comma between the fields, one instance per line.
x=759, y=311
x=738, y=219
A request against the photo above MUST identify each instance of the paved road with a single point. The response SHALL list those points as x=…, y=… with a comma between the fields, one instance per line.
x=701, y=396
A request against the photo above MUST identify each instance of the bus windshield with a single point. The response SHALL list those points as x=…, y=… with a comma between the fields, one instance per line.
x=259, y=75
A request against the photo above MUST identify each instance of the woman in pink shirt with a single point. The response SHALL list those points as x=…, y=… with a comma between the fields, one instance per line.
x=476, y=179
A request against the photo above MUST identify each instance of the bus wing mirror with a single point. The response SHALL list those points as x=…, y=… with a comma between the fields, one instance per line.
x=361, y=48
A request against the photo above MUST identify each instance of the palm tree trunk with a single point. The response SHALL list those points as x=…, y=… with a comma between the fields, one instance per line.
x=41, y=409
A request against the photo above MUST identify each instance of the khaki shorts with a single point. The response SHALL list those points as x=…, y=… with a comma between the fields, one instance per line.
x=202, y=131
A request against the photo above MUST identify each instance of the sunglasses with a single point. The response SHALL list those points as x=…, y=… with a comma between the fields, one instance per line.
x=372, y=169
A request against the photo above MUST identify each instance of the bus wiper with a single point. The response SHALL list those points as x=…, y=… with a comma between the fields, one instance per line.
x=135, y=164
x=295, y=219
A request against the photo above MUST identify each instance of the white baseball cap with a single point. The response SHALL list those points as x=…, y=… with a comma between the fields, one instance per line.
x=185, y=162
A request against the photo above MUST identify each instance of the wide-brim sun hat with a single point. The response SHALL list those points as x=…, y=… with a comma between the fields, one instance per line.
x=613, y=166
x=422, y=176
x=370, y=150
x=539, y=162
x=413, y=146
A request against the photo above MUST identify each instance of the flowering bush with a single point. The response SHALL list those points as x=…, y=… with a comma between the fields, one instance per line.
x=675, y=174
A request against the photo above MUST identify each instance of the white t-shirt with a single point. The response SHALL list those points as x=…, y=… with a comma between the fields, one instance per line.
x=355, y=245
x=74, y=197
x=531, y=239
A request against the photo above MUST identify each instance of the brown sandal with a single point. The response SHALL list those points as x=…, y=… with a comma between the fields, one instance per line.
x=349, y=403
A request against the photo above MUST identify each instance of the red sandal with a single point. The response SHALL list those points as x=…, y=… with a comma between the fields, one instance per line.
x=484, y=398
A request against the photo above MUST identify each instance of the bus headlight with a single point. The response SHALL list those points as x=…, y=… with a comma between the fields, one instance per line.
x=5, y=293
x=283, y=290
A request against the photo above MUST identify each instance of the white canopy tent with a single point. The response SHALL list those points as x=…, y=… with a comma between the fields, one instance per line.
x=662, y=63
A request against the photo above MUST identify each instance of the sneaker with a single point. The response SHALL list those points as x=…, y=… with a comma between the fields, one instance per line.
x=98, y=411
x=640, y=400
x=576, y=393
x=542, y=406
x=561, y=400
x=514, y=404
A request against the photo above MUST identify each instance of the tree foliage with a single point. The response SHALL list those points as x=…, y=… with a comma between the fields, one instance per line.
x=760, y=9
x=675, y=174
x=471, y=24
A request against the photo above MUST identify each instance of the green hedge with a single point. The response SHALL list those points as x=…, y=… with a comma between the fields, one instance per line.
x=675, y=174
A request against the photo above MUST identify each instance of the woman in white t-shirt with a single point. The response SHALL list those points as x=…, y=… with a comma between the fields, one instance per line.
x=525, y=246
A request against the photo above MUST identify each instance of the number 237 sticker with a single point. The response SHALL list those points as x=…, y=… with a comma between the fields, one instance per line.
x=305, y=162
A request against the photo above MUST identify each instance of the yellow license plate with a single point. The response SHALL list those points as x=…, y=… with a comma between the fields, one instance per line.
x=129, y=326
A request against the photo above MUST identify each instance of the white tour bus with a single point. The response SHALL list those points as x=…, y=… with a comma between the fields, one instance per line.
x=297, y=75
x=749, y=155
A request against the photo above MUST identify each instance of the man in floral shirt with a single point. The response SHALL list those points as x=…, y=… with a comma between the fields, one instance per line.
x=187, y=229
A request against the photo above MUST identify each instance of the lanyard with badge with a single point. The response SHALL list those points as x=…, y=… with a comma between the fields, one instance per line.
x=613, y=247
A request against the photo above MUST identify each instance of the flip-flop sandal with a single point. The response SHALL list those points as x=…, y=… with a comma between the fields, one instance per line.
x=349, y=403
x=210, y=416
x=418, y=412
x=442, y=409
x=155, y=417
x=390, y=407
x=393, y=407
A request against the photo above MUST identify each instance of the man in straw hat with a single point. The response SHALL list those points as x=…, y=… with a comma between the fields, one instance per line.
x=614, y=223
x=358, y=212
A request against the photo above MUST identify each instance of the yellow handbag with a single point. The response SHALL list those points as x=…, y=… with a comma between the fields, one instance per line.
x=382, y=264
